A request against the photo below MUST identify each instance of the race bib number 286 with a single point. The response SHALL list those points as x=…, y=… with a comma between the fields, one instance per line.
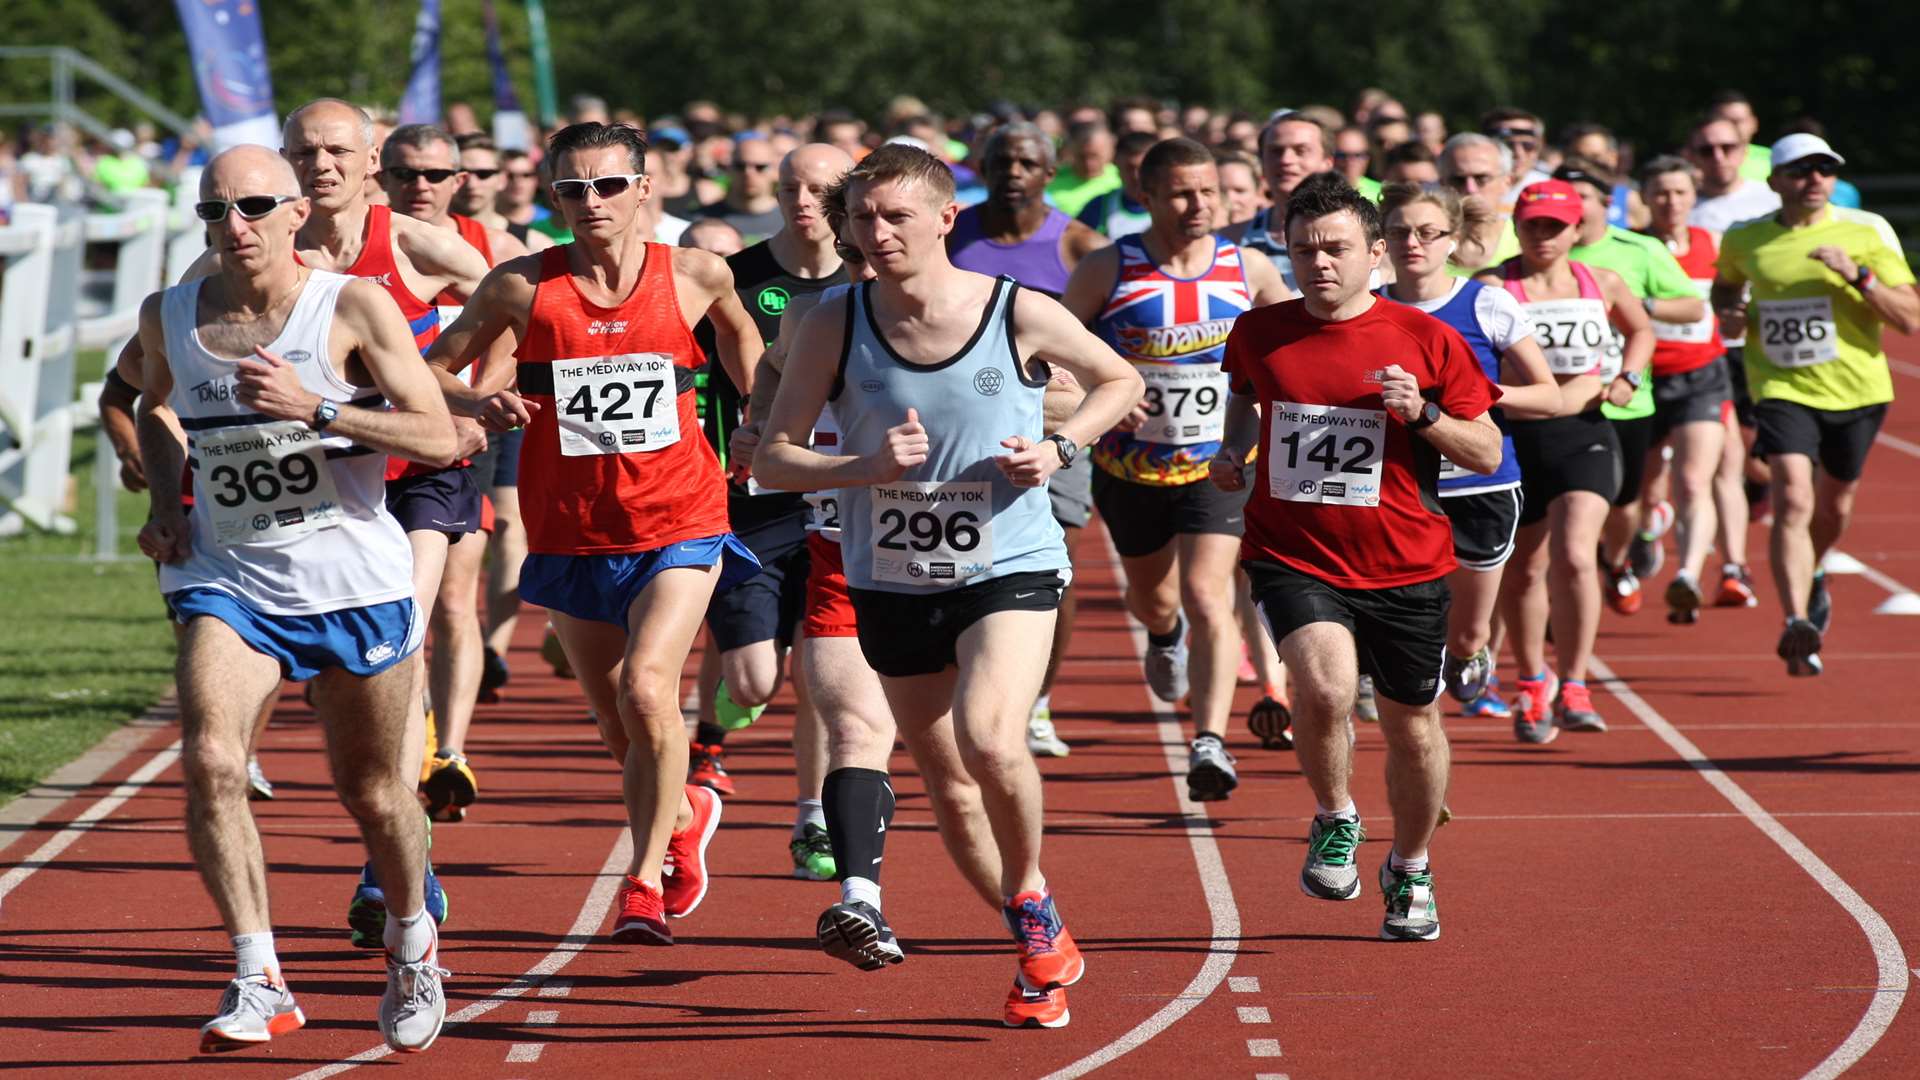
x=1325, y=453
x=626, y=404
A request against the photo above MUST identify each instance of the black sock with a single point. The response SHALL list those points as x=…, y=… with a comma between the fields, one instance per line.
x=1209, y=735
x=859, y=807
x=710, y=734
x=1171, y=637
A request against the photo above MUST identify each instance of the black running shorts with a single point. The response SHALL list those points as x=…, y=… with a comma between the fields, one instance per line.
x=447, y=501
x=1691, y=397
x=1483, y=527
x=1399, y=634
x=918, y=633
x=1143, y=518
x=1562, y=455
x=768, y=605
x=1837, y=440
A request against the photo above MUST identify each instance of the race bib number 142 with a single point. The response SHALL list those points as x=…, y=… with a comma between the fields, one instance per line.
x=1325, y=453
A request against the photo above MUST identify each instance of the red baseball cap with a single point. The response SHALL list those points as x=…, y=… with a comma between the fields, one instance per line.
x=1555, y=199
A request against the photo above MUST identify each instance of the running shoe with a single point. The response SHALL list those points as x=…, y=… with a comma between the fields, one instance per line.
x=1533, y=712
x=1467, y=679
x=494, y=674
x=683, y=878
x=1800, y=648
x=1489, y=705
x=730, y=714
x=1210, y=772
x=705, y=768
x=259, y=788
x=1412, y=914
x=1247, y=675
x=555, y=654
x=1683, y=600
x=856, y=932
x=433, y=747
x=1271, y=721
x=1820, y=604
x=252, y=1011
x=1166, y=665
x=1042, y=739
x=1623, y=590
x=1332, y=870
x=367, y=913
x=1645, y=555
x=1364, y=705
x=1736, y=588
x=1573, y=710
x=1035, y=1008
x=1048, y=956
x=450, y=787
x=414, y=1007
x=812, y=854
x=639, y=917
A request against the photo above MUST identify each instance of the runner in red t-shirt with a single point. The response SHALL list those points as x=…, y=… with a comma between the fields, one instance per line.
x=626, y=508
x=1346, y=542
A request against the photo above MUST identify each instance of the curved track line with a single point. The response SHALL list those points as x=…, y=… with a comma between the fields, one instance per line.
x=108, y=803
x=1213, y=884
x=1887, y=954
x=585, y=929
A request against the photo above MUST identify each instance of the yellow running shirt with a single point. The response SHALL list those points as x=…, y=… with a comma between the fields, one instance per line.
x=1811, y=337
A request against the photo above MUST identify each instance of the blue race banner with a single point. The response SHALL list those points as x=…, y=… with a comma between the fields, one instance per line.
x=509, y=121
x=229, y=55
x=421, y=103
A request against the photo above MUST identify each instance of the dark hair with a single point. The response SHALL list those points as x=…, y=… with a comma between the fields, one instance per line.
x=1803, y=125
x=1573, y=133
x=1581, y=170
x=1295, y=117
x=419, y=137
x=475, y=140
x=1133, y=142
x=1325, y=194
x=594, y=135
x=1728, y=97
x=1168, y=155
x=1496, y=118
x=1409, y=152
x=902, y=163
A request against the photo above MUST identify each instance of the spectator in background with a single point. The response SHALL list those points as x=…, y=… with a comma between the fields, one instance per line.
x=1597, y=144
x=461, y=119
x=1844, y=193
x=669, y=153
x=1411, y=163
x=1242, y=134
x=712, y=234
x=1087, y=169
x=13, y=182
x=1352, y=157
x=842, y=129
x=119, y=168
x=516, y=199
x=182, y=152
x=1242, y=195
x=585, y=108
x=1717, y=150
x=1524, y=134
x=48, y=166
x=1136, y=114
x=1431, y=129
x=1366, y=101
x=1733, y=107
x=1122, y=211
x=750, y=205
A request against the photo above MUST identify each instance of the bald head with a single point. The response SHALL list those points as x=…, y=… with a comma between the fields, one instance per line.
x=806, y=175
x=815, y=162
x=248, y=170
x=329, y=111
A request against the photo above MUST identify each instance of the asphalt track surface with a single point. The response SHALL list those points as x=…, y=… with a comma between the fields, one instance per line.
x=1721, y=885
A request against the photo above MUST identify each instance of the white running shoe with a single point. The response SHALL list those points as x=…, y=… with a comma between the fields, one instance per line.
x=1166, y=665
x=1042, y=739
x=414, y=1007
x=252, y=1011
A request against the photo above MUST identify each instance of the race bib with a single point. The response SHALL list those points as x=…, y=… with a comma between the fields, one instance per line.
x=1798, y=333
x=932, y=534
x=1325, y=453
x=1573, y=334
x=448, y=313
x=823, y=507
x=1694, y=333
x=1185, y=404
x=267, y=482
x=626, y=404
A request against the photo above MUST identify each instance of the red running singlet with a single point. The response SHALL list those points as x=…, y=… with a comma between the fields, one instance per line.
x=614, y=461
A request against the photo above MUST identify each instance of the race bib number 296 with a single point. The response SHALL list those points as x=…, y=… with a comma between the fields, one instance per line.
x=1325, y=453
x=626, y=404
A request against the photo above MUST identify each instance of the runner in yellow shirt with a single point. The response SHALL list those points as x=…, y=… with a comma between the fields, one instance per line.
x=1824, y=282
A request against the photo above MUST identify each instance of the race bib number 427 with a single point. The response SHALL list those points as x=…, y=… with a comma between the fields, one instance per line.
x=626, y=404
x=1325, y=453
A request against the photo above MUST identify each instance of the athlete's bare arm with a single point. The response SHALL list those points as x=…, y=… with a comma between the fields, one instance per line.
x=117, y=398
x=1229, y=470
x=164, y=538
x=766, y=381
x=1527, y=389
x=441, y=260
x=1091, y=283
x=1624, y=309
x=1264, y=280
x=705, y=284
x=784, y=460
x=1471, y=442
x=1078, y=242
x=1045, y=330
x=492, y=322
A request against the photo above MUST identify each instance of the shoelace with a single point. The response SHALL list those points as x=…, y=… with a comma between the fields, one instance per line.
x=1336, y=841
x=416, y=991
x=1576, y=698
x=1036, y=929
x=1400, y=891
x=241, y=998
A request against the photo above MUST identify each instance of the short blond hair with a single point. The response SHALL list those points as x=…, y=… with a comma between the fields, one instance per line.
x=900, y=163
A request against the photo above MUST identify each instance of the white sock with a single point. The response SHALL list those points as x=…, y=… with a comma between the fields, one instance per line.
x=410, y=940
x=1347, y=811
x=1410, y=865
x=807, y=812
x=860, y=890
x=1044, y=701
x=253, y=955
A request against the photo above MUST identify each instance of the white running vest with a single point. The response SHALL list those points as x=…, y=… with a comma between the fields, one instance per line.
x=286, y=520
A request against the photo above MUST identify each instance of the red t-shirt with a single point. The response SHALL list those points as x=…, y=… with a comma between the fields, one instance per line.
x=1680, y=348
x=1342, y=491
x=614, y=460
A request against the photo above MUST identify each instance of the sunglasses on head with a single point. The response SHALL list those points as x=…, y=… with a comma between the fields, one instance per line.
x=251, y=207
x=604, y=186
x=408, y=175
x=1803, y=169
x=485, y=174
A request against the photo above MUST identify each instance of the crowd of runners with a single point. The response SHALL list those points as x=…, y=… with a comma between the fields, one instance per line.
x=1362, y=405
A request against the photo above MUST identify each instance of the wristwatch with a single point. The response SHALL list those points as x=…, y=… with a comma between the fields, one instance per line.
x=1065, y=447
x=1865, y=281
x=1634, y=378
x=323, y=414
x=1430, y=414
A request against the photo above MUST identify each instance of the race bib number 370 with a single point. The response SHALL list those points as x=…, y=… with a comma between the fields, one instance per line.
x=932, y=534
x=626, y=404
x=1325, y=453
x=266, y=482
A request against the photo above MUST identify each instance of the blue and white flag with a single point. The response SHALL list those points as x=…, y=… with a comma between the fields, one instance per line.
x=421, y=103
x=509, y=122
x=230, y=66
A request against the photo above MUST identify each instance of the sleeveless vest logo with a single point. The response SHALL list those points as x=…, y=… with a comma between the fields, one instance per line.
x=988, y=381
x=614, y=326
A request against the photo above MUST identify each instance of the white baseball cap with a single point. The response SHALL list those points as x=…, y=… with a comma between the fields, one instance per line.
x=1802, y=145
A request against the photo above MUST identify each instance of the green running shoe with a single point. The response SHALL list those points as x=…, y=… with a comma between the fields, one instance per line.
x=813, y=855
x=1412, y=914
x=1331, y=871
x=730, y=714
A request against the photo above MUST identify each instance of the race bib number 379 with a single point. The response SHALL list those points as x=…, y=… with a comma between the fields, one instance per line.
x=266, y=482
x=932, y=534
x=1185, y=404
x=627, y=404
x=1325, y=453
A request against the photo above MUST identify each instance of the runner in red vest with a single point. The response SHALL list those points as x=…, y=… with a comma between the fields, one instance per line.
x=626, y=507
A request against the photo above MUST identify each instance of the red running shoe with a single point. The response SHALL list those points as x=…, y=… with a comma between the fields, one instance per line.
x=638, y=918
x=683, y=881
x=1048, y=956
x=1035, y=1008
x=1736, y=588
x=704, y=768
x=1623, y=590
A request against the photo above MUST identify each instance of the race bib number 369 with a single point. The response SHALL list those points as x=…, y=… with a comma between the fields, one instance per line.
x=627, y=404
x=1325, y=453
x=932, y=534
x=266, y=482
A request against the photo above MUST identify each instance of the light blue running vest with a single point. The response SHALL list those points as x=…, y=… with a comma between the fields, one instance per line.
x=954, y=519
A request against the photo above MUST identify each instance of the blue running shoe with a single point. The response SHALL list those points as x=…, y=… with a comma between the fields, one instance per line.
x=1489, y=704
x=367, y=914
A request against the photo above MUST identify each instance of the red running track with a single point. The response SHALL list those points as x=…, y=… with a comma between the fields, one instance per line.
x=1608, y=910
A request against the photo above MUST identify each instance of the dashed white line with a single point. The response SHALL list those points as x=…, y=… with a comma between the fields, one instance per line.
x=108, y=803
x=557, y=988
x=1254, y=1014
x=520, y=1053
x=1243, y=984
x=1263, y=1047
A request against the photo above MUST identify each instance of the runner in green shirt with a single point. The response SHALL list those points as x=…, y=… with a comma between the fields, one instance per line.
x=1086, y=169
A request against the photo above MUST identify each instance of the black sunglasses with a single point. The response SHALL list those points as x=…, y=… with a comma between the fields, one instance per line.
x=407, y=176
x=251, y=207
x=604, y=186
x=1808, y=168
x=483, y=174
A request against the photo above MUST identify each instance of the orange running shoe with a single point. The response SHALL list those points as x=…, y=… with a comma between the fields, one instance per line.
x=684, y=878
x=705, y=768
x=1623, y=590
x=639, y=917
x=1048, y=956
x=1736, y=588
x=1035, y=1008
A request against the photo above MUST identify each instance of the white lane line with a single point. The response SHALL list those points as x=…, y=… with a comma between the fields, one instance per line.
x=1909, y=448
x=78, y=827
x=1903, y=367
x=1254, y=1014
x=557, y=988
x=1243, y=984
x=1213, y=884
x=520, y=1053
x=1904, y=600
x=1887, y=954
x=1263, y=1047
x=585, y=928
